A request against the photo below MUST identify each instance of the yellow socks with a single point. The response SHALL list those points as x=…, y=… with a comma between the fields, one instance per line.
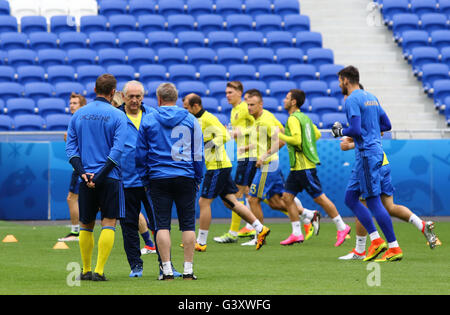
x=105, y=245
x=235, y=222
x=86, y=240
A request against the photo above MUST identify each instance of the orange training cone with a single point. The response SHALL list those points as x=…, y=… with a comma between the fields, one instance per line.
x=60, y=245
x=10, y=239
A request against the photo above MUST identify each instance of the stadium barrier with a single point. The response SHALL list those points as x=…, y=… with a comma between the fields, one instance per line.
x=35, y=176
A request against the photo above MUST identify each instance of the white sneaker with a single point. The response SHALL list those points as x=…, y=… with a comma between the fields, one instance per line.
x=353, y=255
x=147, y=250
x=252, y=242
x=71, y=237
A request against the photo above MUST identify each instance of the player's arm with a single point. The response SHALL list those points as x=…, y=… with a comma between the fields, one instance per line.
x=385, y=123
x=295, y=138
x=275, y=144
x=141, y=156
x=198, y=156
x=216, y=134
x=347, y=143
x=73, y=152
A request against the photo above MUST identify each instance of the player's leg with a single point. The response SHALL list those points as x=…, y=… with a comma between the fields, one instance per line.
x=204, y=223
x=74, y=212
x=149, y=247
x=359, y=251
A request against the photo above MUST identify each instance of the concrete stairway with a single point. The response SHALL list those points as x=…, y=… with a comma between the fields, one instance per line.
x=354, y=31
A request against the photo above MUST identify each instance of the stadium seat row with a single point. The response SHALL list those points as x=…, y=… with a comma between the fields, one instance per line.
x=428, y=22
x=391, y=7
x=411, y=39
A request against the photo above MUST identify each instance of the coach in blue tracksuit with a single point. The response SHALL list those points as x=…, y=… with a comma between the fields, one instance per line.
x=169, y=159
x=133, y=94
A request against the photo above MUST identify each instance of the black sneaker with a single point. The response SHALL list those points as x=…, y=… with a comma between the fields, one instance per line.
x=165, y=277
x=98, y=277
x=189, y=276
x=85, y=276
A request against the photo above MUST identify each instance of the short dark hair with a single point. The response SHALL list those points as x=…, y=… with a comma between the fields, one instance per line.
x=195, y=99
x=299, y=96
x=237, y=85
x=105, y=84
x=361, y=86
x=351, y=73
x=254, y=92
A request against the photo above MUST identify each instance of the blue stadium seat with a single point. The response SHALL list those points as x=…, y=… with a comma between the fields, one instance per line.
x=122, y=73
x=321, y=105
x=440, y=39
x=43, y=40
x=256, y=7
x=329, y=72
x=149, y=73
x=279, y=89
x=8, y=23
x=51, y=57
x=295, y=23
x=279, y=39
x=421, y=7
x=171, y=55
x=199, y=7
x=229, y=56
x=434, y=22
x=220, y=39
x=30, y=24
x=47, y=106
x=90, y=92
x=151, y=23
x=336, y=91
x=37, y=90
x=20, y=106
x=112, y=7
x=250, y=39
x=171, y=7
x=423, y=55
x=151, y=102
x=89, y=73
x=432, y=72
x=7, y=74
x=28, y=74
x=274, y=72
x=140, y=56
x=93, y=23
x=161, y=39
x=207, y=23
x=81, y=56
x=13, y=40
x=404, y=22
x=319, y=56
x=445, y=56
x=102, y=40
x=314, y=118
x=227, y=7
x=392, y=7
x=441, y=90
x=200, y=56
x=328, y=119
x=111, y=56
x=21, y=57
x=197, y=87
x=142, y=7
x=307, y=40
x=444, y=6
x=122, y=23
x=131, y=39
x=217, y=88
x=412, y=39
x=210, y=104
x=282, y=117
x=272, y=104
x=268, y=23
x=191, y=39
x=212, y=72
x=302, y=72
x=65, y=89
x=223, y=118
x=314, y=88
x=239, y=23
x=285, y=7
x=255, y=84
x=4, y=7
x=260, y=55
x=182, y=72
x=57, y=122
x=6, y=123
x=28, y=122
x=10, y=90
x=242, y=72
x=289, y=56
x=71, y=40
x=180, y=22
x=61, y=23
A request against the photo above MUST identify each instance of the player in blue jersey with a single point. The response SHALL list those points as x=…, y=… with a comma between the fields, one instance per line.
x=367, y=120
x=95, y=141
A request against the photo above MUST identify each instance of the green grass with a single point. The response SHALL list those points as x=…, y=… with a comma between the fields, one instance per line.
x=32, y=267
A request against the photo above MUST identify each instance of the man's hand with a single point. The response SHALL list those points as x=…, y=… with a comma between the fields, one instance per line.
x=347, y=143
x=87, y=177
x=336, y=130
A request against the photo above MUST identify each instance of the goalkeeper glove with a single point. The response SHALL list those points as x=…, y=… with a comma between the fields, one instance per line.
x=336, y=130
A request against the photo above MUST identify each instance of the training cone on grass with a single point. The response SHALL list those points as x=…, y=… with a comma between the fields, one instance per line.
x=60, y=245
x=10, y=239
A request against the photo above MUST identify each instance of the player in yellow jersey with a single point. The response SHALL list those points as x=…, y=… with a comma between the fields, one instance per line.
x=301, y=135
x=217, y=181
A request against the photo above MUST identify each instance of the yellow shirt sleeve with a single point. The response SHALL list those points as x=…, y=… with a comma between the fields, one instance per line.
x=295, y=138
x=317, y=132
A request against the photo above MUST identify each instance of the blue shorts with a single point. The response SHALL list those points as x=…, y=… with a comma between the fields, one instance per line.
x=267, y=184
x=245, y=172
x=366, y=177
x=386, y=184
x=218, y=183
x=75, y=183
x=308, y=180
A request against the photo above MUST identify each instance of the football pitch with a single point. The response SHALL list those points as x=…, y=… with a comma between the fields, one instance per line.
x=32, y=267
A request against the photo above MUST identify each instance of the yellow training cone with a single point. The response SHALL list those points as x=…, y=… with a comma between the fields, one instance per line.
x=10, y=239
x=60, y=245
